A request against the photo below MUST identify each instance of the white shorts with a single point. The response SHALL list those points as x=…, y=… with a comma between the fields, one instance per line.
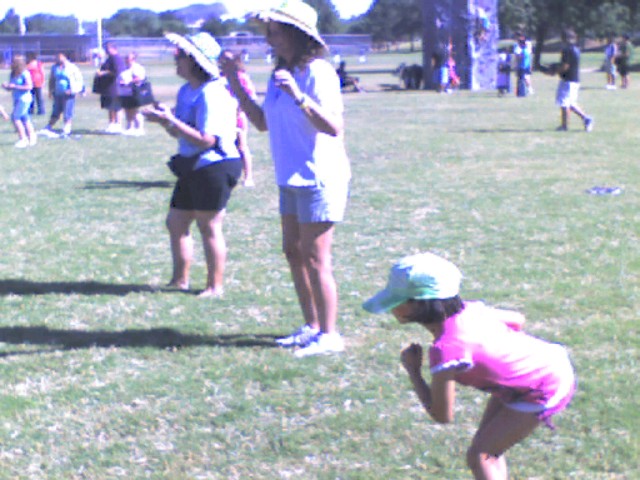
x=567, y=94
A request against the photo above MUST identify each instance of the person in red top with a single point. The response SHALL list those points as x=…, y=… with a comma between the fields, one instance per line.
x=36, y=69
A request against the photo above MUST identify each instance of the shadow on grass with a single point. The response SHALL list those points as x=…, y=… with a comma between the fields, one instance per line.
x=504, y=130
x=27, y=287
x=110, y=184
x=162, y=338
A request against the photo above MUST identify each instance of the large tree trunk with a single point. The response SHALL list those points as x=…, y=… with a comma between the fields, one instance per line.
x=541, y=34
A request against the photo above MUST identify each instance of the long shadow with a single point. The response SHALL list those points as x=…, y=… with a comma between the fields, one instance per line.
x=111, y=184
x=503, y=130
x=162, y=338
x=26, y=287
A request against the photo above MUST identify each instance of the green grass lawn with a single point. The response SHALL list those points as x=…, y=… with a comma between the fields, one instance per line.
x=104, y=376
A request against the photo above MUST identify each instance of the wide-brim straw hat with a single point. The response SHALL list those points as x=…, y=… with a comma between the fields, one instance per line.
x=202, y=47
x=295, y=13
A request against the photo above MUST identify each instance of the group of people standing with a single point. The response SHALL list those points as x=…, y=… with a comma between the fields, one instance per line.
x=529, y=380
x=118, y=77
x=27, y=81
x=303, y=113
x=617, y=59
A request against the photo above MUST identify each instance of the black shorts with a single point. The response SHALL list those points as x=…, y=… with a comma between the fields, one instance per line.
x=208, y=188
x=129, y=102
x=110, y=103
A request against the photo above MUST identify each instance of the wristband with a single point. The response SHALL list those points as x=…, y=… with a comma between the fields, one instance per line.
x=302, y=103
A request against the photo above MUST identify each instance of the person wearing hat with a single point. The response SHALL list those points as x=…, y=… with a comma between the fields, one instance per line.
x=529, y=379
x=303, y=113
x=208, y=163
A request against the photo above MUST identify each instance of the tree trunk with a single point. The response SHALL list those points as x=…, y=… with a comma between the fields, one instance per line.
x=541, y=34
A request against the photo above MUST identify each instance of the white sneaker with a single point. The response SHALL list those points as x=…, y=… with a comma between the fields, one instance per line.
x=113, y=128
x=33, y=140
x=22, y=143
x=47, y=132
x=322, y=344
x=300, y=338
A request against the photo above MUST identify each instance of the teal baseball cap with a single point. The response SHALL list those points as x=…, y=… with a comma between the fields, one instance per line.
x=424, y=276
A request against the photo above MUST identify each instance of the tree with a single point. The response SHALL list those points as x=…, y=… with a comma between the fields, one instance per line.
x=392, y=20
x=608, y=19
x=45, y=23
x=10, y=23
x=328, y=18
x=170, y=22
x=134, y=22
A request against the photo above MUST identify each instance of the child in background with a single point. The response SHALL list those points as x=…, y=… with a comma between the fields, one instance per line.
x=36, y=70
x=242, y=142
x=503, y=81
x=610, y=53
x=476, y=345
x=20, y=86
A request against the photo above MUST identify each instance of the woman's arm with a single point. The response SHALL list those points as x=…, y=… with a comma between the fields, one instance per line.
x=175, y=127
x=247, y=104
x=324, y=121
x=438, y=399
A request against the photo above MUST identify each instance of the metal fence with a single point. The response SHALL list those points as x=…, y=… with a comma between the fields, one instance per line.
x=82, y=48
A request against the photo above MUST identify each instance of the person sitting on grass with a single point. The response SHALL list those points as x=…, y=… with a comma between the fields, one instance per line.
x=346, y=80
x=529, y=379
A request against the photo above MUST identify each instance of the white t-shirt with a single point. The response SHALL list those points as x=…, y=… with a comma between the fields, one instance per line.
x=125, y=79
x=303, y=156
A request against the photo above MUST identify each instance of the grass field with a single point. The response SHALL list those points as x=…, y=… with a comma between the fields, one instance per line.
x=104, y=376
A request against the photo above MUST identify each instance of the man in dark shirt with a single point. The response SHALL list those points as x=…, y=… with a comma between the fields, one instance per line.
x=567, y=93
x=111, y=68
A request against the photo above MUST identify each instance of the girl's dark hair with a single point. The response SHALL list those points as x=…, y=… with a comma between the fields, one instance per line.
x=434, y=311
x=307, y=48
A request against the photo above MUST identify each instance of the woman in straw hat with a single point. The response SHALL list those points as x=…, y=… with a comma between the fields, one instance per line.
x=208, y=164
x=303, y=113
x=476, y=345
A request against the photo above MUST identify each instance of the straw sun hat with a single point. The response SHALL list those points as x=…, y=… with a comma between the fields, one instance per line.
x=297, y=14
x=202, y=47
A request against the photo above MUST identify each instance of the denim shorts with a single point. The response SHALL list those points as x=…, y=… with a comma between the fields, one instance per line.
x=21, y=111
x=315, y=204
x=63, y=105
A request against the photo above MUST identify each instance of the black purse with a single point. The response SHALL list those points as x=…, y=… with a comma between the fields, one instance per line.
x=142, y=93
x=101, y=84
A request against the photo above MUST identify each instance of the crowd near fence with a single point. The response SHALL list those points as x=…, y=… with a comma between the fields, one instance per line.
x=83, y=48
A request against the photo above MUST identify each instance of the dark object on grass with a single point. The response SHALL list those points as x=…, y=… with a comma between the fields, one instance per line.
x=410, y=75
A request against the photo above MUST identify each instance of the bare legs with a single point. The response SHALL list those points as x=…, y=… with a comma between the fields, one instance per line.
x=500, y=429
x=25, y=131
x=247, y=158
x=307, y=247
x=564, y=115
x=215, y=249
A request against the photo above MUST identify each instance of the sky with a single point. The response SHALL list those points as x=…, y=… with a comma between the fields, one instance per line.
x=89, y=9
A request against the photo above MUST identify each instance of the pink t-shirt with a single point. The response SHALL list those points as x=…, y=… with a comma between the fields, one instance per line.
x=489, y=355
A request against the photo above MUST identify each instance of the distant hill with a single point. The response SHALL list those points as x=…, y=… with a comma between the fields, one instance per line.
x=193, y=13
